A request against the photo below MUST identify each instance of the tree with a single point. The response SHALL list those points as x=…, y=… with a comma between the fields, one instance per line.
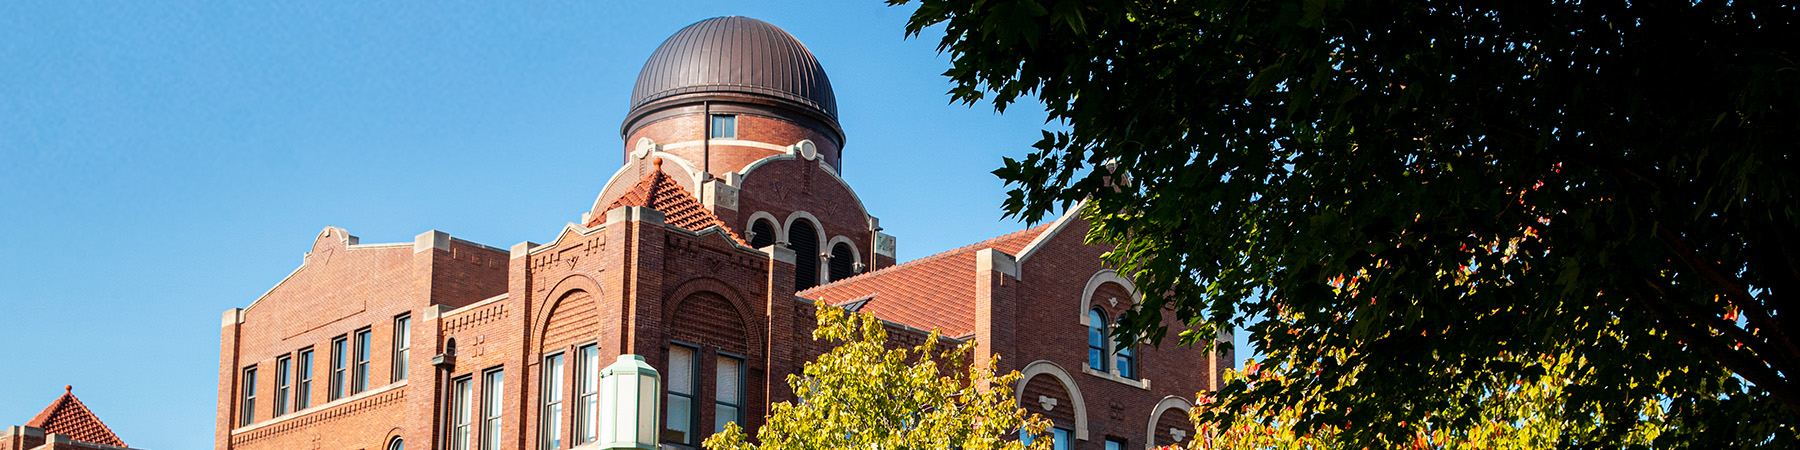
x=861, y=395
x=1414, y=194
x=1520, y=416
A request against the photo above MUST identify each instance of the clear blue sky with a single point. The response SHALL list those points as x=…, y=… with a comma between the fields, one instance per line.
x=161, y=162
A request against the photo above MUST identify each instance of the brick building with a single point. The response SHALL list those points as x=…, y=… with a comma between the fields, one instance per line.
x=66, y=424
x=707, y=253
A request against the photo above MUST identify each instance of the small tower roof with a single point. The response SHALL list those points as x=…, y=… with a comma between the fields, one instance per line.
x=67, y=416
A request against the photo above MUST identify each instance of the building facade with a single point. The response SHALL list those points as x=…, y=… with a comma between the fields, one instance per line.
x=707, y=253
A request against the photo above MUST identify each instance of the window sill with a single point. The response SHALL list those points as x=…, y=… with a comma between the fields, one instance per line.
x=1140, y=384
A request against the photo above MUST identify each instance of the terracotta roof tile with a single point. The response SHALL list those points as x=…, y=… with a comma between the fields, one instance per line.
x=67, y=416
x=656, y=191
x=934, y=292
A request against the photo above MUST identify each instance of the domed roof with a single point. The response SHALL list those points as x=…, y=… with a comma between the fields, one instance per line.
x=738, y=55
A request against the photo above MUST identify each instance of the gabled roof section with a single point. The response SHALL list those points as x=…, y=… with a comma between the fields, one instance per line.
x=934, y=292
x=657, y=191
x=67, y=416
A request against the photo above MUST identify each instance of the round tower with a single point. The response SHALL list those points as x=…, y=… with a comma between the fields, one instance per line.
x=729, y=91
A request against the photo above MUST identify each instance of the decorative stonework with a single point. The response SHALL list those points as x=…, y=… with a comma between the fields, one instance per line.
x=1048, y=402
x=1178, y=434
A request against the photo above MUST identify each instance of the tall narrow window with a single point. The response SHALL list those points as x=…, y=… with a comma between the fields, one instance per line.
x=247, y=415
x=729, y=405
x=843, y=262
x=362, y=362
x=1126, y=362
x=678, y=425
x=1097, y=340
x=587, y=394
x=1059, y=438
x=804, y=239
x=340, y=365
x=492, y=394
x=553, y=402
x=762, y=234
x=303, y=389
x=724, y=126
x=283, y=371
x=402, y=345
x=459, y=413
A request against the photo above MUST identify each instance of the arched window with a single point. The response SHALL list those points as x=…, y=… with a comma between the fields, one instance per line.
x=1097, y=338
x=805, y=242
x=396, y=444
x=762, y=234
x=843, y=261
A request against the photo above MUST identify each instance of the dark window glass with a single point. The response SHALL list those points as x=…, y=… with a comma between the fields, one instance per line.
x=728, y=401
x=1127, y=362
x=1096, y=340
x=762, y=234
x=362, y=362
x=1113, y=443
x=247, y=415
x=459, y=413
x=724, y=126
x=678, y=424
x=492, y=394
x=553, y=402
x=587, y=394
x=340, y=365
x=402, y=345
x=303, y=389
x=843, y=262
x=397, y=444
x=283, y=372
x=805, y=242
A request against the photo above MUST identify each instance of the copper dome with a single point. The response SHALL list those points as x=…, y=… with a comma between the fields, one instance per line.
x=735, y=55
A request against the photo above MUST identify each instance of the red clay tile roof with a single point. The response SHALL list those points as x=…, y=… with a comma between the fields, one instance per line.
x=656, y=191
x=67, y=416
x=934, y=292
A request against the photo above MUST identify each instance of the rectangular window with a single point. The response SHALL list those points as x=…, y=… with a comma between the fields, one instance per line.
x=459, y=413
x=362, y=362
x=1113, y=443
x=340, y=364
x=492, y=389
x=587, y=394
x=1059, y=438
x=283, y=372
x=728, y=406
x=724, y=126
x=678, y=423
x=303, y=389
x=553, y=401
x=1127, y=363
x=402, y=345
x=247, y=415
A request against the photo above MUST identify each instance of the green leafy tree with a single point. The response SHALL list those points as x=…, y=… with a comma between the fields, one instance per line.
x=1510, y=416
x=862, y=395
x=1438, y=186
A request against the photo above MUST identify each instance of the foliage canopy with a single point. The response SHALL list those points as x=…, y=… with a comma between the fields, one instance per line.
x=862, y=395
x=1417, y=196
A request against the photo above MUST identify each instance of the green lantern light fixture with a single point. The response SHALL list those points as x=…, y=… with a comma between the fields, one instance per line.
x=630, y=404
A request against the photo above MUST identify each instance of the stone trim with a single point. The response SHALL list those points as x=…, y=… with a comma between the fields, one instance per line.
x=1068, y=217
x=1045, y=367
x=1141, y=383
x=1167, y=403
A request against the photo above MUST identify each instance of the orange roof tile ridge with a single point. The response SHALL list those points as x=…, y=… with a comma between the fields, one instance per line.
x=991, y=242
x=656, y=191
x=68, y=416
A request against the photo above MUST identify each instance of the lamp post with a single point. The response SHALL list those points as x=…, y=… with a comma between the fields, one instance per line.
x=631, y=403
